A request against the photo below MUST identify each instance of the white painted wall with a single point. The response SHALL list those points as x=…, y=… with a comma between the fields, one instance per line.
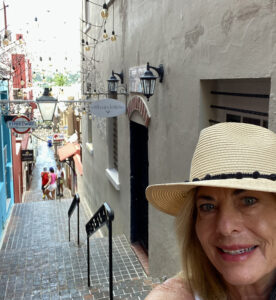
x=200, y=43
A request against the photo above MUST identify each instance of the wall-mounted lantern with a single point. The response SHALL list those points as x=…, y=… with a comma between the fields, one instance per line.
x=113, y=82
x=148, y=79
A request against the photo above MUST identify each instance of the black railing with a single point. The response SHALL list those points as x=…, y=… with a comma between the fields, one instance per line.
x=75, y=203
x=104, y=216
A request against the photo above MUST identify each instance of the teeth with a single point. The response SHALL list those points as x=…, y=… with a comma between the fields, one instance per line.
x=239, y=251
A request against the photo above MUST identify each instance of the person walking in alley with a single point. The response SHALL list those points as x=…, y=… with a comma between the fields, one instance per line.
x=60, y=180
x=44, y=180
x=51, y=184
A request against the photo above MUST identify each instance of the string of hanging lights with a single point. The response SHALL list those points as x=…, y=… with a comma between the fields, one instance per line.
x=86, y=22
x=94, y=3
x=113, y=36
x=104, y=11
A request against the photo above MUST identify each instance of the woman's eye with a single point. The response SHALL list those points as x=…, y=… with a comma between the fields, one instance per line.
x=249, y=200
x=206, y=207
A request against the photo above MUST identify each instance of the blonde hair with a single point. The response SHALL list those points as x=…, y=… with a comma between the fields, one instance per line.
x=197, y=271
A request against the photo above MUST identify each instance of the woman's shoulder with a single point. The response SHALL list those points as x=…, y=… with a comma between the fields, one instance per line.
x=173, y=288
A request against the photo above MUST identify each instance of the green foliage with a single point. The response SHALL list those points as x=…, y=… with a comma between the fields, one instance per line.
x=58, y=79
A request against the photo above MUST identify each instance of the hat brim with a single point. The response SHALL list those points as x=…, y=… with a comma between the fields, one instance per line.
x=169, y=198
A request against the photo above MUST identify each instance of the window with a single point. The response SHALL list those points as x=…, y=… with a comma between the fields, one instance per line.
x=4, y=95
x=89, y=144
x=89, y=129
x=235, y=100
x=112, y=137
x=252, y=121
x=233, y=118
x=115, y=143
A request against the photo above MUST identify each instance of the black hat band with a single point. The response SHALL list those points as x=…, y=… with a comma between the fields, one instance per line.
x=238, y=175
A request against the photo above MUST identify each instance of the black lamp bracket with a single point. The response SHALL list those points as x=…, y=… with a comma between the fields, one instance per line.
x=159, y=70
x=121, y=75
x=122, y=90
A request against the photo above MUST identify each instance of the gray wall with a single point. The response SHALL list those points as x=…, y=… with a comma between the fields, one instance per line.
x=199, y=43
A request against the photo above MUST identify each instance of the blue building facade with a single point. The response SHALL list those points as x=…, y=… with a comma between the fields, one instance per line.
x=6, y=176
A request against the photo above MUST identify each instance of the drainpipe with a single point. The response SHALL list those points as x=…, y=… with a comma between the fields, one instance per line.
x=5, y=16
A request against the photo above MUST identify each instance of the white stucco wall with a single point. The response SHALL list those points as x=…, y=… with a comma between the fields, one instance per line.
x=195, y=41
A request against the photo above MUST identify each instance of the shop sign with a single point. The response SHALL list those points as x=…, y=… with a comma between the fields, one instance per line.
x=58, y=137
x=27, y=155
x=21, y=124
x=108, y=108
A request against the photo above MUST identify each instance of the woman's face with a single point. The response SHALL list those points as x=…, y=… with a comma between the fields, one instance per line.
x=237, y=231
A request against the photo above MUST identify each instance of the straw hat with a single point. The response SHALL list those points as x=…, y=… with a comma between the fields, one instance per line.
x=230, y=155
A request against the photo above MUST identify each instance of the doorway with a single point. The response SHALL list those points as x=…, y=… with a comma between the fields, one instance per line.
x=138, y=183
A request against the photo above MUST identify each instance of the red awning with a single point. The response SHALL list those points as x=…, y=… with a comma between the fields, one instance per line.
x=71, y=150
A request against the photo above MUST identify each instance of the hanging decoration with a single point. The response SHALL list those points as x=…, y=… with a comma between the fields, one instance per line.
x=87, y=47
x=113, y=36
x=104, y=12
x=105, y=35
x=6, y=40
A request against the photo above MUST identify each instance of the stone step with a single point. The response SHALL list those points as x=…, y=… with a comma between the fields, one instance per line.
x=38, y=262
x=136, y=288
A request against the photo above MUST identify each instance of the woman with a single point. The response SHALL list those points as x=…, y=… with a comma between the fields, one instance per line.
x=51, y=184
x=44, y=179
x=60, y=180
x=225, y=217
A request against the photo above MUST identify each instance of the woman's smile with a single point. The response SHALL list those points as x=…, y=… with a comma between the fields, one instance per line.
x=236, y=253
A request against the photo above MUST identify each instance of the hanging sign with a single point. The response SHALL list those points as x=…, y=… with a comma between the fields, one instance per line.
x=21, y=124
x=58, y=137
x=27, y=155
x=108, y=108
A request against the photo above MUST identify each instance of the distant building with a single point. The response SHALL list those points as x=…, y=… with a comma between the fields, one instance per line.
x=6, y=173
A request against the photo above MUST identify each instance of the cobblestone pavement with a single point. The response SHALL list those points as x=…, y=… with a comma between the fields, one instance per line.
x=38, y=262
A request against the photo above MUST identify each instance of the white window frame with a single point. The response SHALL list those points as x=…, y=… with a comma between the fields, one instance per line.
x=112, y=172
x=89, y=143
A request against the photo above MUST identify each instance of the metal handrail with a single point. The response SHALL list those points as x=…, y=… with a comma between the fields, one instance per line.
x=104, y=216
x=75, y=203
x=246, y=111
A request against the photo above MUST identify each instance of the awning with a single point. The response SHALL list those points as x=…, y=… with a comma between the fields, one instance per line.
x=71, y=150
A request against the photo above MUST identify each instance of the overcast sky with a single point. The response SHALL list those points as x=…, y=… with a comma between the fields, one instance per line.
x=55, y=34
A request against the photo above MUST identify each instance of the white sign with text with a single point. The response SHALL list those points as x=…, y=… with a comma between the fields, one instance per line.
x=21, y=124
x=108, y=108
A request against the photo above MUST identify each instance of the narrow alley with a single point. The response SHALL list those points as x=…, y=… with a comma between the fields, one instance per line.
x=38, y=262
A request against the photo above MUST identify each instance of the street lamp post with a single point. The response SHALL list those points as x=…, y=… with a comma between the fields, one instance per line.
x=47, y=105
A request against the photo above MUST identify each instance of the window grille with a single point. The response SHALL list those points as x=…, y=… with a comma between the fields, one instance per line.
x=115, y=143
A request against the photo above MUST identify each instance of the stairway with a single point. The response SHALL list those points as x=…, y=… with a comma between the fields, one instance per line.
x=38, y=262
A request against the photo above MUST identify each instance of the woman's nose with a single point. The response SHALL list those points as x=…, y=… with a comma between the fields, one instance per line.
x=228, y=221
